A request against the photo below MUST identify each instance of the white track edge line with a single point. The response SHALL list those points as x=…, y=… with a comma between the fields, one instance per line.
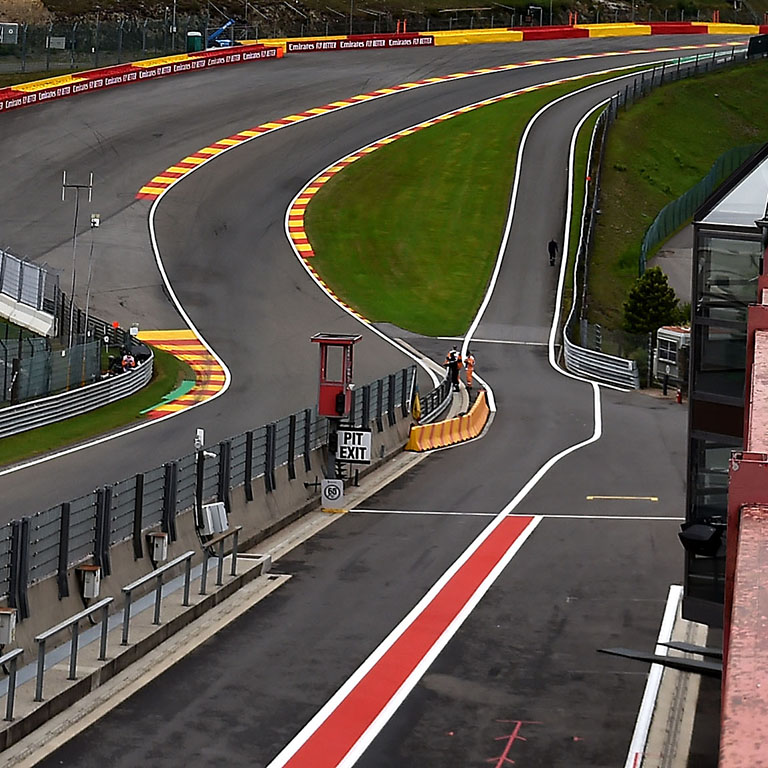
x=645, y=713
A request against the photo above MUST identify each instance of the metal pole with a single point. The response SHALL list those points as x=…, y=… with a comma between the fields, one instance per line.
x=158, y=598
x=204, y=574
x=220, y=568
x=126, y=618
x=351, y=5
x=187, y=577
x=40, y=670
x=11, y=695
x=333, y=427
x=233, y=572
x=73, y=651
x=550, y=13
x=104, y=630
x=74, y=261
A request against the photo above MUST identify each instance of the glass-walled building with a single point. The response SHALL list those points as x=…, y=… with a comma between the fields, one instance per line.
x=727, y=260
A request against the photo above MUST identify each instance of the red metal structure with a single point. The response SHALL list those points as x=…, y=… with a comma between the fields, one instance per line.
x=744, y=731
x=336, y=367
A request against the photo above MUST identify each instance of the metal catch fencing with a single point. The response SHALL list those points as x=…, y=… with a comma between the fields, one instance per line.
x=673, y=215
x=663, y=74
x=52, y=541
x=74, y=402
x=612, y=355
x=22, y=281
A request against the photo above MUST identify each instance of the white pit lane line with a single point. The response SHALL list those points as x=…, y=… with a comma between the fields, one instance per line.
x=292, y=753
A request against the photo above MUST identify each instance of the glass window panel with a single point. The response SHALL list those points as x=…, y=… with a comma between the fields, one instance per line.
x=727, y=271
x=709, y=475
x=667, y=351
x=720, y=363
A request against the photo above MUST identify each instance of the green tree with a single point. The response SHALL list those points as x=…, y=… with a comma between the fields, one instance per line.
x=651, y=303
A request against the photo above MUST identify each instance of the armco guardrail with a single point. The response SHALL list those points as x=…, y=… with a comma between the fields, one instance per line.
x=38, y=413
x=602, y=367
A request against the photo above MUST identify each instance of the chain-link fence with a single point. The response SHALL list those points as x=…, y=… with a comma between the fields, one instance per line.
x=34, y=366
x=673, y=215
x=618, y=343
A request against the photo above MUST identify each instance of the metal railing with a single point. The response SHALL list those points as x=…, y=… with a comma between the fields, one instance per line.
x=22, y=281
x=597, y=365
x=74, y=622
x=219, y=541
x=13, y=658
x=157, y=574
x=436, y=401
x=50, y=542
x=594, y=362
x=47, y=410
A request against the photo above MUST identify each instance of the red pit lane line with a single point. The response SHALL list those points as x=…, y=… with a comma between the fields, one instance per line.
x=344, y=726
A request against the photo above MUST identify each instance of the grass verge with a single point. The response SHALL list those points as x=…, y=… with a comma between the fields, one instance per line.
x=657, y=150
x=409, y=234
x=169, y=372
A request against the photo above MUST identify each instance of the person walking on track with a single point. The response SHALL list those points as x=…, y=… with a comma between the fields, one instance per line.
x=469, y=366
x=552, y=248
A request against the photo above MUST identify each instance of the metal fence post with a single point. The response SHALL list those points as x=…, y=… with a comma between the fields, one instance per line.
x=269, y=458
x=292, y=446
x=158, y=598
x=40, y=670
x=233, y=571
x=11, y=695
x=169, y=500
x=104, y=631
x=187, y=579
x=23, y=606
x=220, y=565
x=73, y=651
x=204, y=574
x=391, y=418
x=225, y=463
x=379, y=405
x=249, y=465
x=61, y=575
x=404, y=393
x=366, y=417
x=126, y=618
x=199, y=481
x=138, y=514
x=307, y=439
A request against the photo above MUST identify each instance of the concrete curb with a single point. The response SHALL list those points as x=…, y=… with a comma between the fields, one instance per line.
x=125, y=656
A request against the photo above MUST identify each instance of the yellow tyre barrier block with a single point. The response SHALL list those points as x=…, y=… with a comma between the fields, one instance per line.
x=615, y=30
x=729, y=29
x=440, y=434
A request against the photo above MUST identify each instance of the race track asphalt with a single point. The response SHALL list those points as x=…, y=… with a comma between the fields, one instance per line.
x=251, y=282
x=595, y=572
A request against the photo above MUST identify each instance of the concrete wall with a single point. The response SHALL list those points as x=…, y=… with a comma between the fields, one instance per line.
x=260, y=518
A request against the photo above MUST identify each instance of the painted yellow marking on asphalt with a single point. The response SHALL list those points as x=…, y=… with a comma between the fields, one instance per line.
x=622, y=498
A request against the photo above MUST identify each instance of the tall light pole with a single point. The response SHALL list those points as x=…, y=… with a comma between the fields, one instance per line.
x=78, y=188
